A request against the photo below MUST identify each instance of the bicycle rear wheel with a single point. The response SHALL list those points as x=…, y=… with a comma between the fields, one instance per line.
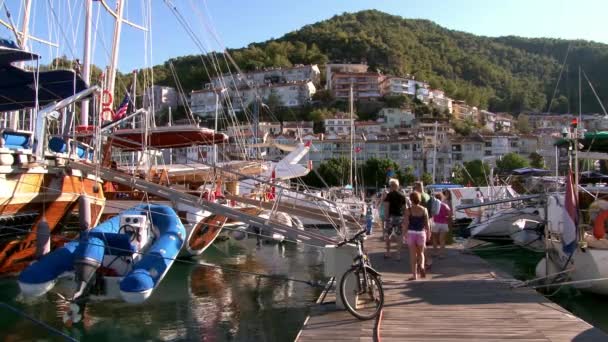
x=362, y=293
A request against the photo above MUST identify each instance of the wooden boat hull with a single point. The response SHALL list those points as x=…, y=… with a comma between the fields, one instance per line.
x=28, y=195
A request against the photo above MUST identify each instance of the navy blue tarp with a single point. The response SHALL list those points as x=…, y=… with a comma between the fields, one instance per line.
x=18, y=86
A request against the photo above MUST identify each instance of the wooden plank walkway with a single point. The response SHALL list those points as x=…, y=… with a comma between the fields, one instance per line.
x=463, y=299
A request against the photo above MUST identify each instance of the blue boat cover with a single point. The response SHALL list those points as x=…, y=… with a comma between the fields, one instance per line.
x=59, y=145
x=18, y=86
x=16, y=140
x=530, y=171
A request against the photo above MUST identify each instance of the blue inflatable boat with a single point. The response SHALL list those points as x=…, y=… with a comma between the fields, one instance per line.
x=124, y=257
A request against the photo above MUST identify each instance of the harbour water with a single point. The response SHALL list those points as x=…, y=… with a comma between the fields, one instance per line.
x=195, y=302
x=521, y=264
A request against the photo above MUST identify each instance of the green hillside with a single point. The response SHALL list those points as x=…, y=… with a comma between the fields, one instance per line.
x=503, y=74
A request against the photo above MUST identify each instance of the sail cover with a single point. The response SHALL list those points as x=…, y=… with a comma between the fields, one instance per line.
x=18, y=86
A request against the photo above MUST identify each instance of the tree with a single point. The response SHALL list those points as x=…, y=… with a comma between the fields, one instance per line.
x=274, y=102
x=474, y=172
x=406, y=176
x=536, y=160
x=335, y=171
x=523, y=124
x=397, y=101
x=324, y=97
x=427, y=178
x=375, y=172
x=464, y=127
x=510, y=162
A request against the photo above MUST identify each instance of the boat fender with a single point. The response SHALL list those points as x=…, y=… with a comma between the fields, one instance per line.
x=43, y=238
x=599, y=226
x=84, y=212
x=239, y=235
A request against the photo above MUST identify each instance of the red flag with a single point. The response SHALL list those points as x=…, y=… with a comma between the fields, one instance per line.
x=569, y=232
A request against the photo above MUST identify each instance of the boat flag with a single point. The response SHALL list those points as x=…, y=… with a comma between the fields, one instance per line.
x=569, y=233
x=122, y=109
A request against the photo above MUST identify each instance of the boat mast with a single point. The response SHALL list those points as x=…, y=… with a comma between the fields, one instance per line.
x=86, y=60
x=351, y=105
x=115, y=45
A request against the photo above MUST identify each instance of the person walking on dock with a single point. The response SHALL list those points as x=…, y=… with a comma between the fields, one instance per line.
x=394, y=204
x=425, y=201
x=417, y=227
x=440, y=228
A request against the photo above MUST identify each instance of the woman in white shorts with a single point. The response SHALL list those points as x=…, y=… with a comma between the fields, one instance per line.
x=440, y=227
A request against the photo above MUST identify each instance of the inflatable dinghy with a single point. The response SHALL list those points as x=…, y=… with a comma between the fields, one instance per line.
x=124, y=257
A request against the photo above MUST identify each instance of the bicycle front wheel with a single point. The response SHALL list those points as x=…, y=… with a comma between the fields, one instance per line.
x=362, y=293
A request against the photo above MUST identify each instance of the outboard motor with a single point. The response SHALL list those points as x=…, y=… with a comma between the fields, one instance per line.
x=88, y=257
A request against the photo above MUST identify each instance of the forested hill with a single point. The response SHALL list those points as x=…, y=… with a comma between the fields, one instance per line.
x=503, y=74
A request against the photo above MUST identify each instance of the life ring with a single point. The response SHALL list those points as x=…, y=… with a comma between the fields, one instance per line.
x=107, y=95
x=599, y=226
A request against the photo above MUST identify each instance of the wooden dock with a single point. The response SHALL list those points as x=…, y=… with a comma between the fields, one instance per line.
x=462, y=299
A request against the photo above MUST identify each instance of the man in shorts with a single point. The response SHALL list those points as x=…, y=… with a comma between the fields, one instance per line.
x=394, y=205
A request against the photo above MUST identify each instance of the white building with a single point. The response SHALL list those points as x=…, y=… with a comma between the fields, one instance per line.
x=291, y=94
x=368, y=128
x=396, y=118
x=298, y=73
x=161, y=97
x=404, y=86
x=437, y=98
x=340, y=124
x=203, y=102
x=297, y=128
x=273, y=128
x=467, y=149
x=504, y=123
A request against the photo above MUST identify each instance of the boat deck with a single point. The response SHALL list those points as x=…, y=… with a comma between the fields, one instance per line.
x=463, y=299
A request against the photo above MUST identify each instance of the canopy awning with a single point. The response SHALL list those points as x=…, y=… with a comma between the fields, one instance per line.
x=18, y=87
x=166, y=137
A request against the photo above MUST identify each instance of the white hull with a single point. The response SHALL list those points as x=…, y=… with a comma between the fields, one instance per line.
x=588, y=265
x=502, y=224
x=585, y=266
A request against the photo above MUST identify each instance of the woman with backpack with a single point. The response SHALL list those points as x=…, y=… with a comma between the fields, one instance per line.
x=440, y=227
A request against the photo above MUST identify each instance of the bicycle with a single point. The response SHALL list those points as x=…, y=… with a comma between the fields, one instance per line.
x=366, y=285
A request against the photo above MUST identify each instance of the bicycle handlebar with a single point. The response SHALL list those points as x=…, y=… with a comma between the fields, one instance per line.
x=354, y=238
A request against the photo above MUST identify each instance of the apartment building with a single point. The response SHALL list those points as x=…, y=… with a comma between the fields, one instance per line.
x=161, y=97
x=396, y=118
x=366, y=86
x=297, y=128
x=339, y=124
x=404, y=86
x=330, y=69
x=298, y=73
x=292, y=94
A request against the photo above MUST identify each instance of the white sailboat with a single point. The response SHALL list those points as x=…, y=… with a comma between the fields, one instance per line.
x=576, y=240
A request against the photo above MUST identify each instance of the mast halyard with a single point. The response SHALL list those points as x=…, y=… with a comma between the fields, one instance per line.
x=115, y=45
x=86, y=60
x=25, y=25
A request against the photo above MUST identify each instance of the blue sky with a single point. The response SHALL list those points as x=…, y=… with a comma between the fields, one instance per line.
x=239, y=22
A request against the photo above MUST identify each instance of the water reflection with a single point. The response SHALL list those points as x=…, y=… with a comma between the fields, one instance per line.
x=194, y=302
